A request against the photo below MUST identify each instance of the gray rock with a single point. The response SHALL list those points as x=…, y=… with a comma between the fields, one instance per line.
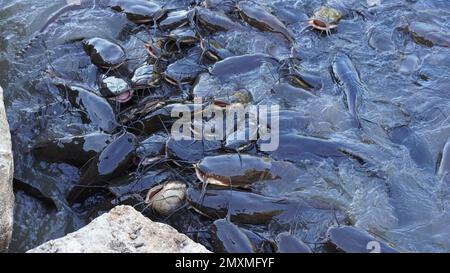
x=122, y=230
x=6, y=176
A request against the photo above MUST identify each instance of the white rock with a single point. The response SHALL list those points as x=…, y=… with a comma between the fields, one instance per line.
x=122, y=230
x=6, y=176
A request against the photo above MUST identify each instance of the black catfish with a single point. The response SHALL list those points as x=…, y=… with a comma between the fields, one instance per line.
x=112, y=162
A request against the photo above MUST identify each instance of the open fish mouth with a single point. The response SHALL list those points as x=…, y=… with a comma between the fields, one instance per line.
x=171, y=80
x=210, y=179
x=151, y=193
x=166, y=197
x=321, y=24
x=123, y=97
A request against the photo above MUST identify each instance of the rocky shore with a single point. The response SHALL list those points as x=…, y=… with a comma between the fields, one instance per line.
x=122, y=230
x=6, y=177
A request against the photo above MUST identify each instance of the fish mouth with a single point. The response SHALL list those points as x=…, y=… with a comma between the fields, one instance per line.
x=141, y=18
x=211, y=179
x=171, y=80
x=212, y=56
x=152, y=51
x=123, y=97
x=108, y=66
x=142, y=21
x=189, y=40
x=171, y=186
x=152, y=192
x=182, y=40
x=153, y=82
x=200, y=175
x=199, y=211
x=321, y=24
x=300, y=82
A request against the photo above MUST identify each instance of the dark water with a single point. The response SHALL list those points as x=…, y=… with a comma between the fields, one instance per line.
x=404, y=117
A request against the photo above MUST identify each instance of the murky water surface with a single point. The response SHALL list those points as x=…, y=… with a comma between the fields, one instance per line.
x=386, y=175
